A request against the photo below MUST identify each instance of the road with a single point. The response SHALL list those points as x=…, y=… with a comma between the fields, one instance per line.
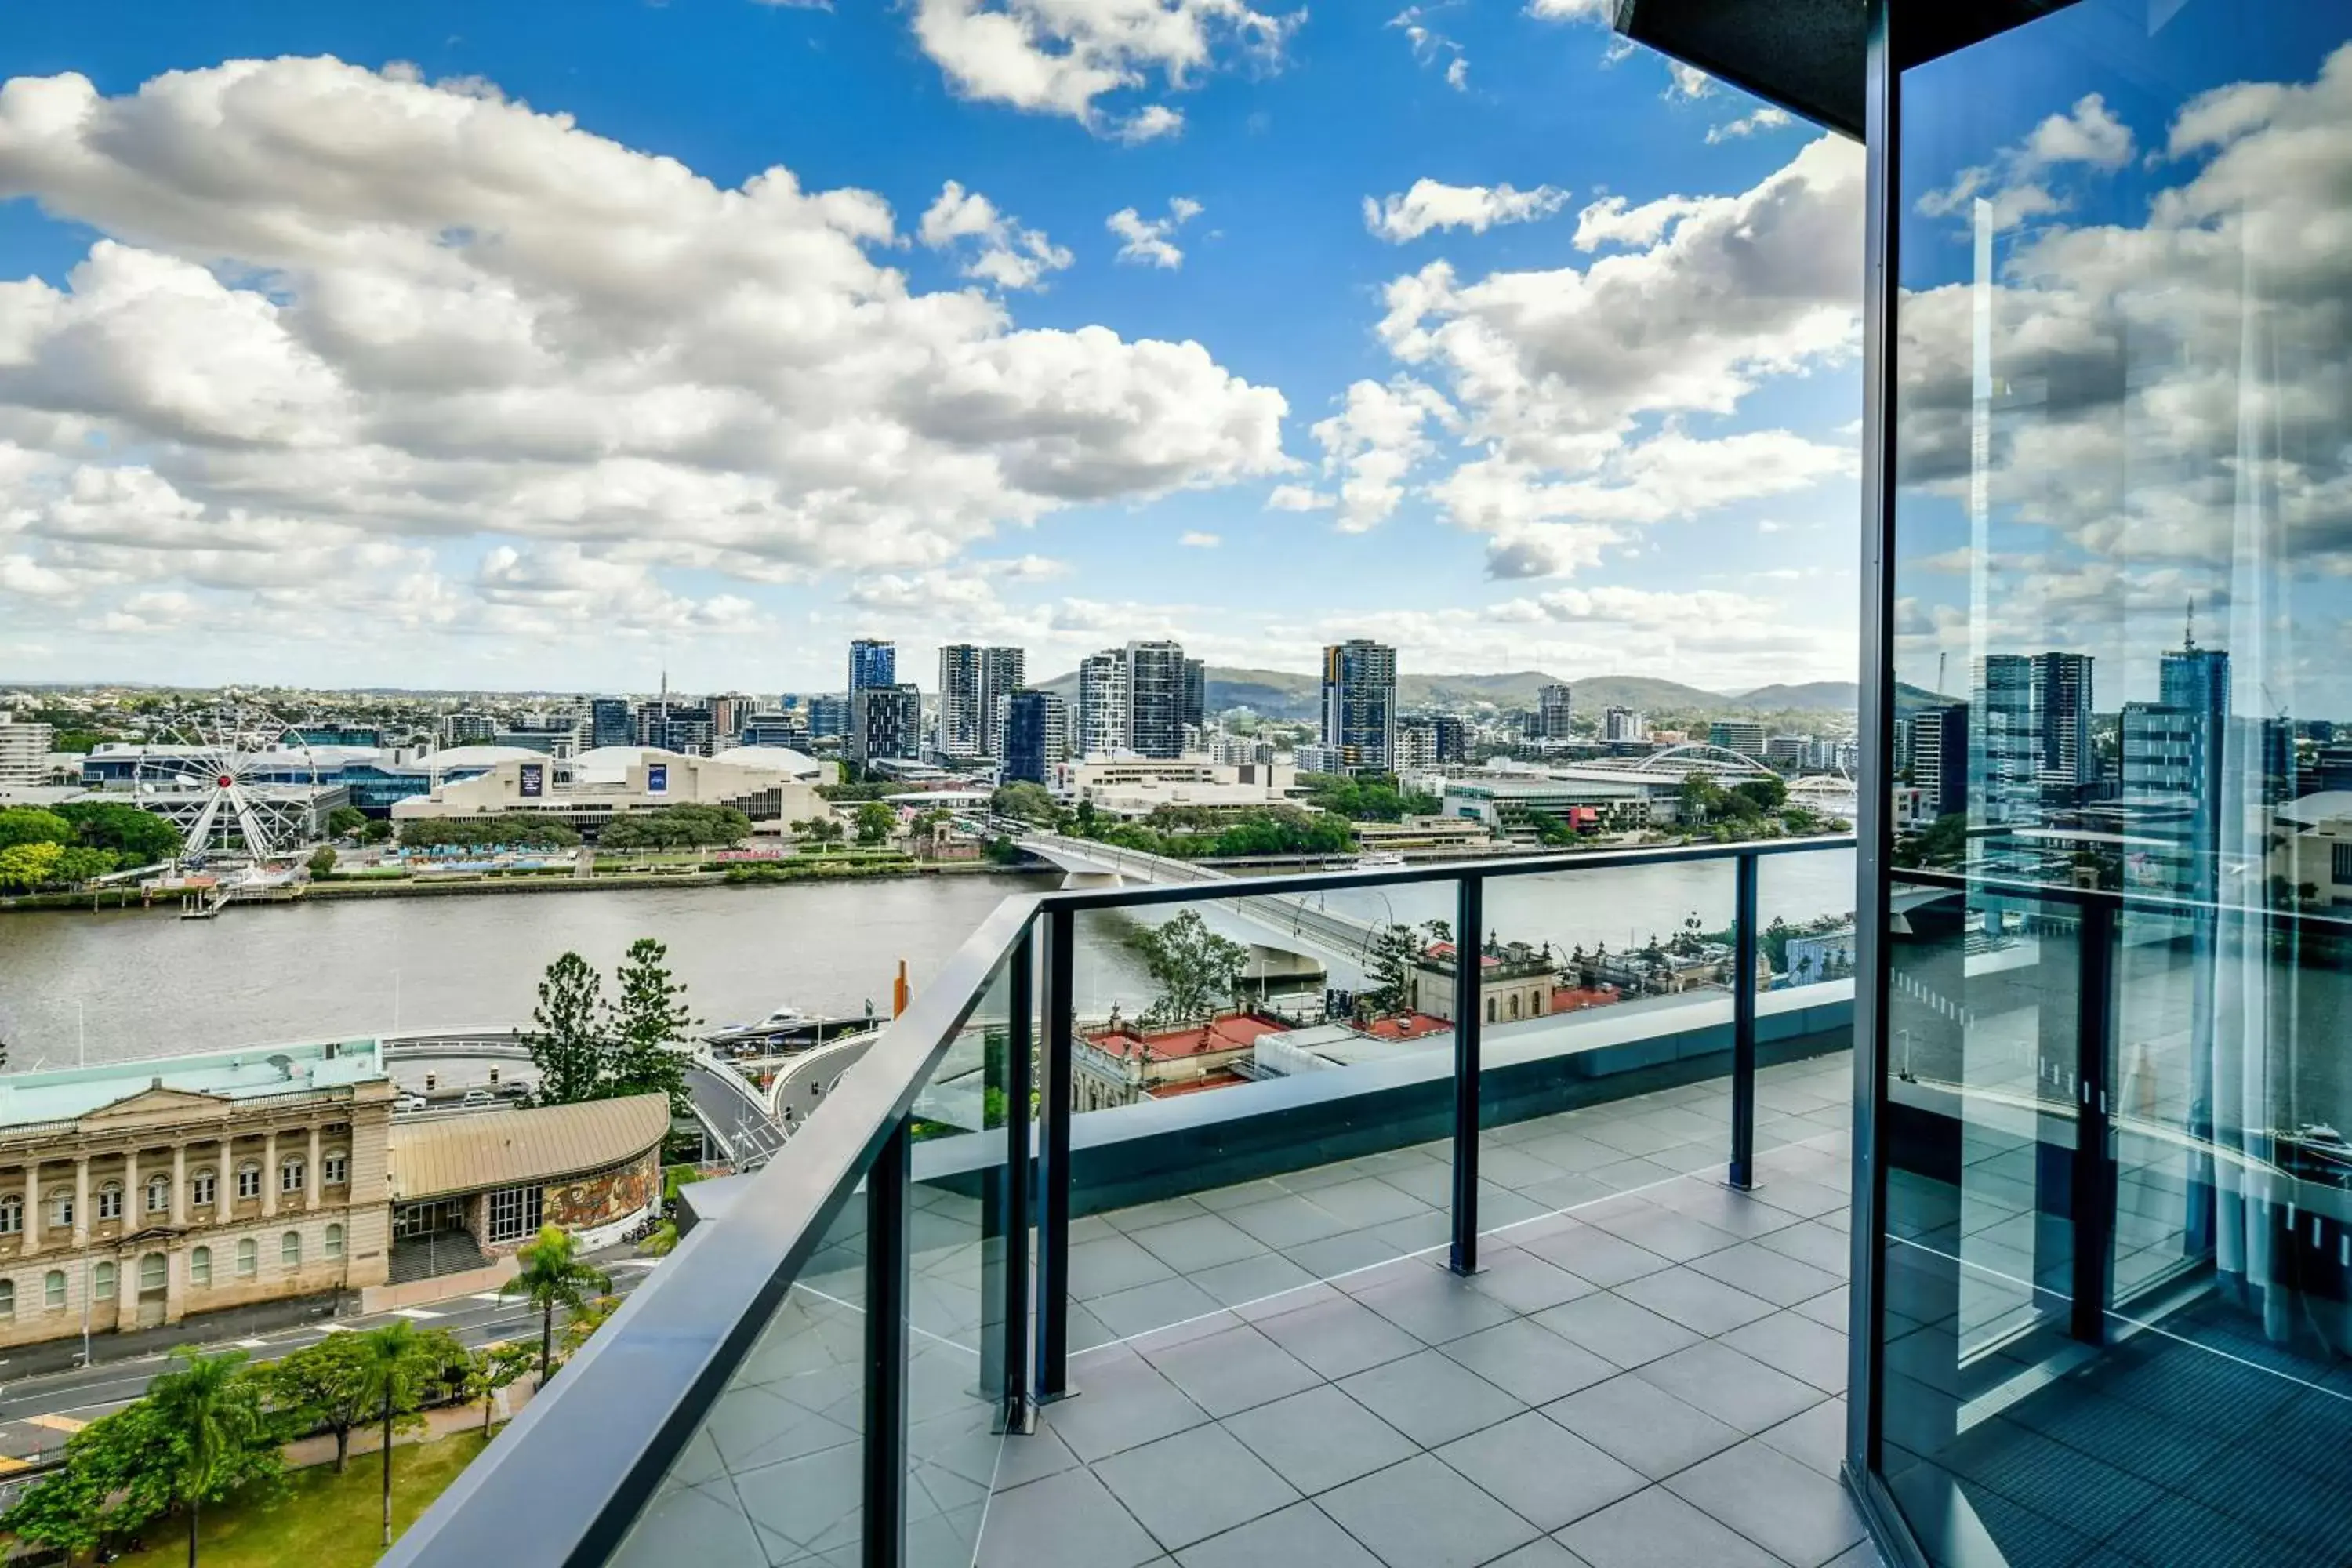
x=736, y=1119
x=87, y=1393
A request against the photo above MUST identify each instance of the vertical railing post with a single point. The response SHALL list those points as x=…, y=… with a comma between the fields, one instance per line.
x=885, y=1528
x=1054, y=1164
x=1019, y=1045
x=1742, y=1174
x=1469, y=1002
x=2093, y=1176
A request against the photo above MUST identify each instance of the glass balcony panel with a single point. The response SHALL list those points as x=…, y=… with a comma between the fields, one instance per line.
x=1247, y=1136
x=774, y=1472
x=957, y=1207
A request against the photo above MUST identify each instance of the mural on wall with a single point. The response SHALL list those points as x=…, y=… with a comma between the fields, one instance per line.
x=589, y=1201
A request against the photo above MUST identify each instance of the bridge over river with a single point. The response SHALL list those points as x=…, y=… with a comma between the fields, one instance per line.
x=1301, y=924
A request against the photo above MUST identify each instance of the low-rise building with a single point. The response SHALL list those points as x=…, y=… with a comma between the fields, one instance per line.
x=1124, y=1061
x=1515, y=982
x=769, y=784
x=1438, y=832
x=141, y=1193
x=594, y=1168
x=1521, y=805
x=2313, y=852
x=1136, y=786
x=24, y=751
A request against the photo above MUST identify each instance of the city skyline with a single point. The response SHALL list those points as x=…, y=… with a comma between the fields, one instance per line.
x=1329, y=298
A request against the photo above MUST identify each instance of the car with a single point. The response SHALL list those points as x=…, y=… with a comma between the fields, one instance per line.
x=408, y=1102
x=478, y=1097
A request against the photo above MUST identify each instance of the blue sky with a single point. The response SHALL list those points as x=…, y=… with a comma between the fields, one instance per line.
x=376, y=373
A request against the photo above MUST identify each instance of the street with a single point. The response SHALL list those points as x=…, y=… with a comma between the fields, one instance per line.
x=39, y=1414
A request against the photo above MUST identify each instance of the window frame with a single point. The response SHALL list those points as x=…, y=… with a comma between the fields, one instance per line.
x=158, y=1185
x=203, y=1189
x=291, y=1176
x=110, y=1200
x=332, y=1246
x=200, y=1267
x=289, y=1250
x=248, y=1174
x=54, y=1290
x=249, y=1257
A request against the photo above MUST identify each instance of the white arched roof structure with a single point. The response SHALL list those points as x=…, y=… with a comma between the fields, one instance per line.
x=1698, y=757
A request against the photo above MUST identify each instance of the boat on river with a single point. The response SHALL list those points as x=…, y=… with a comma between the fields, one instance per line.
x=786, y=1029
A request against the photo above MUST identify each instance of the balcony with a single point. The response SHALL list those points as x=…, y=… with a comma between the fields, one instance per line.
x=1565, y=1290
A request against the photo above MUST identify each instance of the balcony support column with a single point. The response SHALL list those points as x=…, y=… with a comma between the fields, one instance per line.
x=1742, y=1174
x=1053, y=1162
x=1469, y=1013
x=887, y=1346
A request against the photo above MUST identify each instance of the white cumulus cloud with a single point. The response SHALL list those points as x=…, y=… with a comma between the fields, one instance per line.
x=1433, y=204
x=343, y=317
x=1150, y=241
x=1065, y=56
x=1001, y=251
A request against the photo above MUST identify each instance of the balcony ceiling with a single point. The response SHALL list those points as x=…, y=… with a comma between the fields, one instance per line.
x=1811, y=57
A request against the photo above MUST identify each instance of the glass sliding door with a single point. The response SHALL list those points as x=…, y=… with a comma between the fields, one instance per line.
x=2113, y=1324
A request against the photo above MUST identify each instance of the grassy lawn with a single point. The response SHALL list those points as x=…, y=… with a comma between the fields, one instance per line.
x=324, y=1520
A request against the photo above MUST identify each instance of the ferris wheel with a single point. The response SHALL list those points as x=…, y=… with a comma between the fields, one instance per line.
x=230, y=777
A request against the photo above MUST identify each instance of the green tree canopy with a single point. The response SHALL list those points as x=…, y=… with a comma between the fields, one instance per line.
x=140, y=837
x=1197, y=971
x=25, y=866
x=346, y=820
x=31, y=824
x=221, y=1436
x=318, y=1386
x=641, y=1023
x=676, y=828
x=1026, y=802
x=567, y=1038
x=521, y=830
x=553, y=1273
x=1366, y=797
x=875, y=823
x=396, y=1364
x=323, y=860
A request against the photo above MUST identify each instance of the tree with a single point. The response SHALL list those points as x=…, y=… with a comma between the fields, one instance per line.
x=139, y=837
x=820, y=830
x=346, y=820
x=323, y=860
x=28, y=866
x=586, y=1321
x=377, y=831
x=30, y=825
x=875, y=823
x=221, y=1436
x=114, y=1480
x=1025, y=801
x=650, y=1014
x=676, y=828
x=1197, y=970
x=553, y=1273
x=1769, y=794
x=491, y=1368
x=1388, y=966
x=395, y=1363
x=567, y=1045
x=319, y=1385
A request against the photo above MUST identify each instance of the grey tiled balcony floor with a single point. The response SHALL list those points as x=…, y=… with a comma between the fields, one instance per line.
x=1646, y=1370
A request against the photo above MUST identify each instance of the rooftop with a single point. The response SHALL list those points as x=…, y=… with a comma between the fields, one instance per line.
x=499, y=1148
x=248, y=1072
x=1228, y=1033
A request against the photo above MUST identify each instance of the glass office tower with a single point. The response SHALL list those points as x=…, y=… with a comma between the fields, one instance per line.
x=2103, y=1313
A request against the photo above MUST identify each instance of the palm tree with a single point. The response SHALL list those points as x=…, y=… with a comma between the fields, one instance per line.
x=209, y=1402
x=395, y=1363
x=553, y=1275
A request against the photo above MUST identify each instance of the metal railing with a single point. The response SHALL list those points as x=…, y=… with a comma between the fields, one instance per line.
x=594, y=1449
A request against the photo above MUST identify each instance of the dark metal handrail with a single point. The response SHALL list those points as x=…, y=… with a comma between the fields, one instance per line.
x=2121, y=901
x=575, y=1472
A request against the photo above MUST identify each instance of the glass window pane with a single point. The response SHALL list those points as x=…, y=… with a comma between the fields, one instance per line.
x=2117, y=1251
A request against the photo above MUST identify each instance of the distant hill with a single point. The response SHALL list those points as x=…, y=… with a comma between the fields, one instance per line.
x=1289, y=694
x=1828, y=696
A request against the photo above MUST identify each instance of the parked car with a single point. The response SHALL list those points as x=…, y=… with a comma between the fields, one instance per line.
x=478, y=1097
x=408, y=1102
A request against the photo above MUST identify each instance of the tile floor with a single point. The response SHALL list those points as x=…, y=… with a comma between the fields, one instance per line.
x=1644, y=1373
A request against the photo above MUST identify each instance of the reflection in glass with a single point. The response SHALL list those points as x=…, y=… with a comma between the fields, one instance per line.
x=2113, y=1318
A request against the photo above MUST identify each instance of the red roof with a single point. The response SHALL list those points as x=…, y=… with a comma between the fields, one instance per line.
x=1571, y=998
x=1229, y=1034
x=1410, y=1027
x=1445, y=950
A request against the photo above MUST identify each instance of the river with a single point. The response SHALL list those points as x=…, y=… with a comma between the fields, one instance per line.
x=129, y=985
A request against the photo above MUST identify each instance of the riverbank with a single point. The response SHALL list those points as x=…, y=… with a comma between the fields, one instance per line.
x=748, y=874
